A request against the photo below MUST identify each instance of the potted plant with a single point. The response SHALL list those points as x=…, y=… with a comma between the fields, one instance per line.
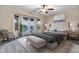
x=20, y=28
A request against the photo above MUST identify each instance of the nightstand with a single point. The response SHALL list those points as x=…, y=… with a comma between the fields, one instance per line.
x=73, y=35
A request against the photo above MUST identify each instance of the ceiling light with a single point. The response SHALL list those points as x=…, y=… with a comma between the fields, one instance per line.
x=44, y=10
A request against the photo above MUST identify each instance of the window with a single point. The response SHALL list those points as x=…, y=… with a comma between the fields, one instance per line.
x=38, y=19
x=25, y=27
x=38, y=27
x=25, y=18
x=31, y=19
x=16, y=22
x=31, y=28
x=38, y=24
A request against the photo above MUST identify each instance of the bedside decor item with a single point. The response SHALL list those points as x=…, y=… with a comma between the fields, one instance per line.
x=45, y=27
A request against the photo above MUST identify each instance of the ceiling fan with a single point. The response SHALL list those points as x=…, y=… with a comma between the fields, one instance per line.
x=44, y=8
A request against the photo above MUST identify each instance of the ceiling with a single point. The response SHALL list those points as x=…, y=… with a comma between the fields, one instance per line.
x=57, y=9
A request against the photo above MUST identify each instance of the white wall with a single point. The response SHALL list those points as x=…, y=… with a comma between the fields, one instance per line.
x=7, y=17
x=71, y=16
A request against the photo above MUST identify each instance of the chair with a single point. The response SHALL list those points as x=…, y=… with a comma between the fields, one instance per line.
x=10, y=36
x=7, y=35
x=1, y=38
x=4, y=34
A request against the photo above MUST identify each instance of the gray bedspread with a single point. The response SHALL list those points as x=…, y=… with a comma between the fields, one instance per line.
x=48, y=38
x=59, y=36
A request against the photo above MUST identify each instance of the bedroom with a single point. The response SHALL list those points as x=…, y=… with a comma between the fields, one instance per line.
x=23, y=20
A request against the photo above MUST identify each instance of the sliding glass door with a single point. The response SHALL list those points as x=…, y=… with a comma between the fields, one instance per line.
x=25, y=24
x=32, y=25
x=29, y=25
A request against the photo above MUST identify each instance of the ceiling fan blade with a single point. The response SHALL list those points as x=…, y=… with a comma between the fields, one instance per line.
x=50, y=9
x=43, y=6
x=46, y=12
x=40, y=11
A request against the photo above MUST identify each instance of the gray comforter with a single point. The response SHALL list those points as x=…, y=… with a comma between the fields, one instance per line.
x=48, y=38
x=59, y=36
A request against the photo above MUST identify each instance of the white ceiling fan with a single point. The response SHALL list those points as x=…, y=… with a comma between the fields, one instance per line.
x=45, y=9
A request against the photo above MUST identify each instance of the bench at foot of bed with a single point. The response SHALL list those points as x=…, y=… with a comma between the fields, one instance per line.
x=39, y=42
x=36, y=41
x=51, y=45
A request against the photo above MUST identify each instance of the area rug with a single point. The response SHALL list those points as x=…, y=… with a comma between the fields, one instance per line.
x=20, y=46
x=74, y=48
x=63, y=47
x=12, y=47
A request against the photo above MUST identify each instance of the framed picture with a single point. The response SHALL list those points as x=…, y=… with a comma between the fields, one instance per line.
x=59, y=18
